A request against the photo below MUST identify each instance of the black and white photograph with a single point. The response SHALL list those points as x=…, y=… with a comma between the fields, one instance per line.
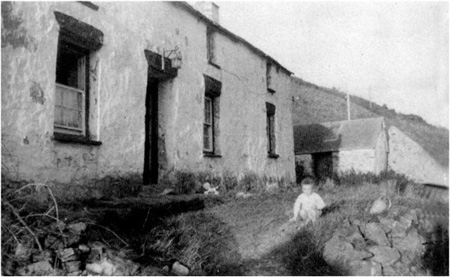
x=231, y=138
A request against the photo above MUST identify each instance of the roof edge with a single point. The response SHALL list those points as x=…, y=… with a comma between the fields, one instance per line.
x=233, y=36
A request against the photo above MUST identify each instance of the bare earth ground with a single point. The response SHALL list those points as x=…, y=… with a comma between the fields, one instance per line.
x=260, y=224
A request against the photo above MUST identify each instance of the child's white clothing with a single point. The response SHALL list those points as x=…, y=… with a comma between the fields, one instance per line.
x=307, y=206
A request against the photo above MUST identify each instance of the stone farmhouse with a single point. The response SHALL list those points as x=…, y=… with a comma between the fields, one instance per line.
x=137, y=90
x=324, y=149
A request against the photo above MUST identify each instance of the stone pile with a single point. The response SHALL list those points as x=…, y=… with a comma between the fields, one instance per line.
x=65, y=251
x=383, y=246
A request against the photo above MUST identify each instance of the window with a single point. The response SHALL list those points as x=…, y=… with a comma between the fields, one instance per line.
x=208, y=126
x=211, y=117
x=71, y=84
x=76, y=43
x=269, y=81
x=211, y=47
x=270, y=112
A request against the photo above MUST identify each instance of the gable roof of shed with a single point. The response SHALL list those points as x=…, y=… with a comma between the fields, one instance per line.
x=338, y=135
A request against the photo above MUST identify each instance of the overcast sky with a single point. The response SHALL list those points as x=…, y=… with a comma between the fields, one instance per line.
x=394, y=52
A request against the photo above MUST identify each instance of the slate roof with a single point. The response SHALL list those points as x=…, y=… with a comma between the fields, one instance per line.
x=338, y=135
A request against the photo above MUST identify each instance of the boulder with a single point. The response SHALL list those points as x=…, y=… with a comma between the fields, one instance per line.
x=413, y=242
x=337, y=249
x=43, y=268
x=364, y=268
x=376, y=233
x=78, y=228
x=384, y=255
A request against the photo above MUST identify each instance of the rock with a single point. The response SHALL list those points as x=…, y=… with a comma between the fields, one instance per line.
x=364, y=268
x=384, y=255
x=22, y=252
x=67, y=254
x=376, y=233
x=167, y=192
x=381, y=205
x=40, y=268
x=337, y=249
x=72, y=266
x=244, y=195
x=179, y=269
x=272, y=187
x=412, y=242
x=103, y=267
x=408, y=219
x=52, y=242
x=78, y=228
x=398, y=230
x=152, y=271
x=389, y=271
x=387, y=223
x=83, y=248
x=45, y=255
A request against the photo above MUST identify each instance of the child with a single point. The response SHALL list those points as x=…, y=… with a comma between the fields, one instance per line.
x=309, y=204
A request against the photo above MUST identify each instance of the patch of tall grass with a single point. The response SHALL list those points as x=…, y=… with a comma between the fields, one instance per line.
x=197, y=239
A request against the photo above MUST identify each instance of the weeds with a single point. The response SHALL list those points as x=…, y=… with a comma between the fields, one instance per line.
x=198, y=239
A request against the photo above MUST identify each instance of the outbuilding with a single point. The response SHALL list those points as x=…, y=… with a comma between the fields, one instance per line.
x=324, y=149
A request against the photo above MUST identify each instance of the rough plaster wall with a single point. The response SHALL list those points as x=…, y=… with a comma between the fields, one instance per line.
x=362, y=160
x=409, y=158
x=29, y=48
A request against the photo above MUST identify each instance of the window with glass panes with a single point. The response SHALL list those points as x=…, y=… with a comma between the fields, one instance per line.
x=208, y=125
x=70, y=92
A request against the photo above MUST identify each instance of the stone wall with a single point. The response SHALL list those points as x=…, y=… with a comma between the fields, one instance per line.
x=409, y=158
x=118, y=86
x=361, y=160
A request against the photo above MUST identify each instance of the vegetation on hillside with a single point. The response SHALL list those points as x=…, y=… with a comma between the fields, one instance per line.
x=319, y=104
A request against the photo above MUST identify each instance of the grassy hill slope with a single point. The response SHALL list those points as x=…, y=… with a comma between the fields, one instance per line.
x=315, y=104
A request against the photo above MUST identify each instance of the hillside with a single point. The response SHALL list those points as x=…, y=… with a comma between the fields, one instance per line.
x=318, y=104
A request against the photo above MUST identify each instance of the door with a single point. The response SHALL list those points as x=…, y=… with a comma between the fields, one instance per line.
x=151, y=164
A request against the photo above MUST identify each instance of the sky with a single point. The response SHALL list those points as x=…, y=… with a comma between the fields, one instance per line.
x=394, y=53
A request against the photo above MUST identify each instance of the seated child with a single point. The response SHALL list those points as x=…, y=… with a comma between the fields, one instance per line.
x=309, y=204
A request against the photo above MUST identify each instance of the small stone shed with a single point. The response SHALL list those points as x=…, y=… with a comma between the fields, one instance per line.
x=333, y=147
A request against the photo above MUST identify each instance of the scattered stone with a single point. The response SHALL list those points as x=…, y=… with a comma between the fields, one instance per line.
x=42, y=256
x=22, y=252
x=167, y=192
x=67, y=254
x=337, y=249
x=365, y=268
x=72, y=266
x=103, y=267
x=272, y=187
x=39, y=268
x=244, y=195
x=389, y=271
x=384, y=255
x=179, y=269
x=55, y=243
x=413, y=242
x=210, y=190
x=78, y=228
x=83, y=248
x=376, y=233
x=381, y=205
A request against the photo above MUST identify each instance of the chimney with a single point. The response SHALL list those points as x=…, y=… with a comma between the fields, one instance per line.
x=208, y=9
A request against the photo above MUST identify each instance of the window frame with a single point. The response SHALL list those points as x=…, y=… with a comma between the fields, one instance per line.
x=271, y=130
x=209, y=125
x=212, y=92
x=84, y=90
x=86, y=39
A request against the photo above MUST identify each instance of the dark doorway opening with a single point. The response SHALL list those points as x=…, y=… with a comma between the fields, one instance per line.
x=323, y=165
x=151, y=164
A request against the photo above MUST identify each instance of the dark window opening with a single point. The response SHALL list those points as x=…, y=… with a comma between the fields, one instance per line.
x=270, y=128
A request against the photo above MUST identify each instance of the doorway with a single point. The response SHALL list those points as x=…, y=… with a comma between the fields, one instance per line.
x=151, y=163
